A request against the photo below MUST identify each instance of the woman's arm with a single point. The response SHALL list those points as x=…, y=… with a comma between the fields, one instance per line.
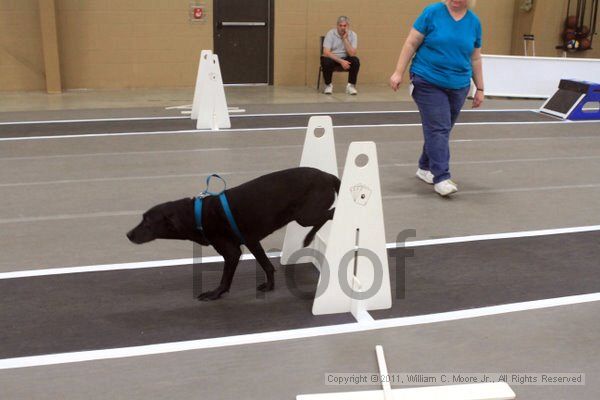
x=476, y=65
x=412, y=43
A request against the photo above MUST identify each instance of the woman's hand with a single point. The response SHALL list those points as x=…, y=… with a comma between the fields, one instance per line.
x=478, y=99
x=395, y=80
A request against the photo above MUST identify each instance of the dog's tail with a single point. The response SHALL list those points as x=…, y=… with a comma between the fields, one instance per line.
x=335, y=182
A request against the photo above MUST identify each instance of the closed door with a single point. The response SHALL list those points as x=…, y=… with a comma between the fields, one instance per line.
x=243, y=40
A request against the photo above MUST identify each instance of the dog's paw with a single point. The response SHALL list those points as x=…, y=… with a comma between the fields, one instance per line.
x=211, y=295
x=266, y=287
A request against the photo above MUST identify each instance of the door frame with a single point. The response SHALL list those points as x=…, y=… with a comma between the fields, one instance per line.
x=270, y=44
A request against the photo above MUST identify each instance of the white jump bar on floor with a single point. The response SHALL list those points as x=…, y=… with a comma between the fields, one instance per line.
x=274, y=129
x=478, y=391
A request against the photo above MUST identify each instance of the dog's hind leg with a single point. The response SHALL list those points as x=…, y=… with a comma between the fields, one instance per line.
x=231, y=254
x=259, y=253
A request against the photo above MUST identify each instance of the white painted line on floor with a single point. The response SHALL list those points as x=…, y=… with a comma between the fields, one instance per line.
x=302, y=128
x=123, y=266
x=506, y=161
x=199, y=175
x=204, y=260
x=239, y=110
x=268, y=337
x=292, y=114
x=181, y=151
x=68, y=121
x=494, y=236
x=179, y=107
x=495, y=191
x=97, y=135
x=60, y=217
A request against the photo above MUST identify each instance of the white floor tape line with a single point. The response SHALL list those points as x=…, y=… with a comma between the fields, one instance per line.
x=29, y=272
x=273, y=129
x=240, y=110
x=116, y=119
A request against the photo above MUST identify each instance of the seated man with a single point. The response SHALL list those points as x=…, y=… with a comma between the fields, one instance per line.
x=339, y=48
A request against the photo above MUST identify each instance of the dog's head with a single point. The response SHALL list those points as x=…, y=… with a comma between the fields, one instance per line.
x=159, y=222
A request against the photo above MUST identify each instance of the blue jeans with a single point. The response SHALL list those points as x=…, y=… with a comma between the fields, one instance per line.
x=439, y=109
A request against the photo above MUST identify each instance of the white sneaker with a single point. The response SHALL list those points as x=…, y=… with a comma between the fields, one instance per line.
x=425, y=176
x=445, y=188
x=328, y=89
x=350, y=89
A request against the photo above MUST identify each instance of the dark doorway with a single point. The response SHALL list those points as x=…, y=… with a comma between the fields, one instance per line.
x=243, y=40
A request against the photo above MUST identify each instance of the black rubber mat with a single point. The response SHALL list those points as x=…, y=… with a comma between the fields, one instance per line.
x=461, y=276
x=96, y=310
x=86, y=311
x=240, y=122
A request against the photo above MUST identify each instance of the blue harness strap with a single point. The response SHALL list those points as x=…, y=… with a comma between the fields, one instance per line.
x=198, y=212
x=224, y=203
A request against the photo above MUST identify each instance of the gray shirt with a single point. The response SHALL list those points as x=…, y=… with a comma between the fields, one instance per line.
x=334, y=42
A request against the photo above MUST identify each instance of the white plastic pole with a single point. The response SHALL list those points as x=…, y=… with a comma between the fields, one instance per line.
x=383, y=373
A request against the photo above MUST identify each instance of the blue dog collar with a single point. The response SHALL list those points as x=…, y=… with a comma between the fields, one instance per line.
x=224, y=203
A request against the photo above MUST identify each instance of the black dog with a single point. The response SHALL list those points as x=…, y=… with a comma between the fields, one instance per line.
x=259, y=207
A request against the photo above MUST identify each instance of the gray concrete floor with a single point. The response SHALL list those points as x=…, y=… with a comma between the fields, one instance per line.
x=69, y=202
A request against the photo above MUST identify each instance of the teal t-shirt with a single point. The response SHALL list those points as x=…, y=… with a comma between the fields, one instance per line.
x=444, y=57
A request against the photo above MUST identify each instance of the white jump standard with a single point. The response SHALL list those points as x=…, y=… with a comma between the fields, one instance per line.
x=349, y=251
x=209, y=107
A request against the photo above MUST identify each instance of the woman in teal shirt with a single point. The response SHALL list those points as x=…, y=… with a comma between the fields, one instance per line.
x=445, y=47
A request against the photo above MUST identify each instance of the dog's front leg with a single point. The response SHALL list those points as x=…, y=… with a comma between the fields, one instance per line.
x=231, y=254
x=259, y=253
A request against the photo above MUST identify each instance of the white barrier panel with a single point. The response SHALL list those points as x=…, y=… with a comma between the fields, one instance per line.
x=535, y=77
x=354, y=270
x=209, y=107
x=318, y=152
x=478, y=391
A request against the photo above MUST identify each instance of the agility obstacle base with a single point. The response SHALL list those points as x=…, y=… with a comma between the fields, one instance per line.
x=209, y=107
x=475, y=391
x=349, y=251
x=571, y=98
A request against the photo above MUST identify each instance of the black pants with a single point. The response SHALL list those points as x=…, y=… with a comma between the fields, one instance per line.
x=329, y=66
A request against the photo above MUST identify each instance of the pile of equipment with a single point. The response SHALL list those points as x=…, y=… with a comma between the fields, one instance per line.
x=580, y=27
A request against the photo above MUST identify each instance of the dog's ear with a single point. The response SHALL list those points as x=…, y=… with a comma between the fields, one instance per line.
x=174, y=221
